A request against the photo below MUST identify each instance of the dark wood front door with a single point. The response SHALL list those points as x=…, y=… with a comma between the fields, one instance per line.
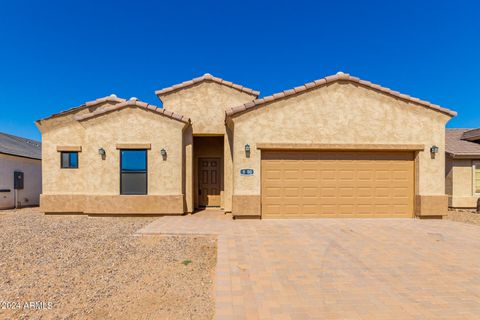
x=209, y=182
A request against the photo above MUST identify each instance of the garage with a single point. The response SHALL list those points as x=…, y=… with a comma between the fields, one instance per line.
x=303, y=184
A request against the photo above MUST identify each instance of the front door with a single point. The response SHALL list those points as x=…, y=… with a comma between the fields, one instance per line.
x=209, y=182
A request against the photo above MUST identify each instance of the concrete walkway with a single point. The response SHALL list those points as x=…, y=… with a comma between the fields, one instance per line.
x=339, y=268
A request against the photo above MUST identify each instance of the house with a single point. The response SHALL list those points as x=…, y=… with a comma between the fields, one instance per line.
x=462, y=167
x=20, y=172
x=335, y=147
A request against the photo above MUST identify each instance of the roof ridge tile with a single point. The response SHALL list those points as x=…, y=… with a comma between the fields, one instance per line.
x=206, y=77
x=133, y=103
x=333, y=78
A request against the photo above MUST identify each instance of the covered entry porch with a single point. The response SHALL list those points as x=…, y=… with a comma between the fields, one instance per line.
x=208, y=172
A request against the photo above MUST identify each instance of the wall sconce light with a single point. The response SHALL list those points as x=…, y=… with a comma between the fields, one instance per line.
x=247, y=150
x=434, y=149
x=102, y=153
x=163, y=152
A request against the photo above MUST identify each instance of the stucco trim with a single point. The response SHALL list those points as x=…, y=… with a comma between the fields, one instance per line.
x=143, y=204
x=349, y=146
x=112, y=204
x=62, y=203
x=134, y=103
x=205, y=77
x=147, y=146
x=238, y=110
x=431, y=205
x=246, y=205
x=69, y=148
x=465, y=202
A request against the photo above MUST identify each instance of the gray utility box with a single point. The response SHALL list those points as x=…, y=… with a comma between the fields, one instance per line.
x=18, y=180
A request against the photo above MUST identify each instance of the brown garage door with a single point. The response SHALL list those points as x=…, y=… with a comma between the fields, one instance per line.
x=337, y=184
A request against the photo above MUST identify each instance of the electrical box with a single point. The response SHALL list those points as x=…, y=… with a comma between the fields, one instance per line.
x=18, y=180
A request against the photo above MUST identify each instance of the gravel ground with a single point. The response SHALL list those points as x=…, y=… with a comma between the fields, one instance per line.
x=78, y=267
x=463, y=215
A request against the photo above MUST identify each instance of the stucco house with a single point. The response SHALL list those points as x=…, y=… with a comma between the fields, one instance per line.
x=335, y=147
x=462, y=167
x=20, y=171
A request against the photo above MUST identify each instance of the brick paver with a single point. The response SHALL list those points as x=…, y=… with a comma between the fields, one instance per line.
x=339, y=268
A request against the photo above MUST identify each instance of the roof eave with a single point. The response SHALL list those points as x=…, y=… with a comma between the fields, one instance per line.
x=465, y=156
x=21, y=156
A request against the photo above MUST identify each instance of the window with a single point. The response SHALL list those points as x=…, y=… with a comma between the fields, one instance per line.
x=133, y=172
x=69, y=160
x=476, y=177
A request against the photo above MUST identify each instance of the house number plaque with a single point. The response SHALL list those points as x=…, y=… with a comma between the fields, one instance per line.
x=247, y=172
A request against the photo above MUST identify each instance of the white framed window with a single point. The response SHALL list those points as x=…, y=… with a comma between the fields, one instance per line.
x=476, y=177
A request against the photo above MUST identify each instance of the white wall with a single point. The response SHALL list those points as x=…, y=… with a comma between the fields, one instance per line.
x=32, y=187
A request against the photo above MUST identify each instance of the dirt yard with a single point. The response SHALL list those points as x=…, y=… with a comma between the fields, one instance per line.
x=463, y=215
x=78, y=267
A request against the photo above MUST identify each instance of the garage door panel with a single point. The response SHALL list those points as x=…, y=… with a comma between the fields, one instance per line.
x=291, y=192
x=400, y=192
x=346, y=192
x=326, y=209
x=310, y=192
x=341, y=184
x=310, y=210
x=328, y=192
x=346, y=209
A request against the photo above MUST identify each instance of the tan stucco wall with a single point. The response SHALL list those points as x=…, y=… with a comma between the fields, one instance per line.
x=97, y=177
x=341, y=113
x=32, y=170
x=459, y=183
x=205, y=104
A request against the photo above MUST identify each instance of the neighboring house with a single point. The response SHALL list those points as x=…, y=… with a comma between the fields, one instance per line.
x=335, y=147
x=462, y=168
x=20, y=159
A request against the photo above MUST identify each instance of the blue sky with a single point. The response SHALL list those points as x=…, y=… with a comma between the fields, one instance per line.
x=58, y=54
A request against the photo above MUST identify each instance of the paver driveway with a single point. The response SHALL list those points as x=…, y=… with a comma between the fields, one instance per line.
x=340, y=268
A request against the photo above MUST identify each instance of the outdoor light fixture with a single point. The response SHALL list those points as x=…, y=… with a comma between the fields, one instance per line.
x=247, y=150
x=163, y=152
x=434, y=149
x=102, y=153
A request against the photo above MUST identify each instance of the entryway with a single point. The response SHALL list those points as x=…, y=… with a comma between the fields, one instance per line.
x=209, y=182
x=208, y=171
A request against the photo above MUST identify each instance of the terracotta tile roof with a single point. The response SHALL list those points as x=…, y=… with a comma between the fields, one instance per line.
x=330, y=79
x=18, y=146
x=457, y=147
x=110, y=98
x=133, y=102
x=471, y=135
x=205, y=77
